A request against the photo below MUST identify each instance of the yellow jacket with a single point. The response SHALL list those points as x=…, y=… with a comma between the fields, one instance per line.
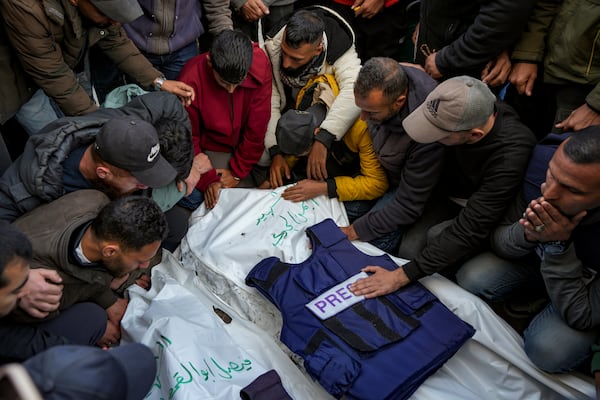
x=371, y=182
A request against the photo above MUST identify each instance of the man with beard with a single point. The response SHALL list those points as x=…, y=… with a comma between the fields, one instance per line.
x=549, y=242
x=116, y=151
x=314, y=41
x=93, y=244
x=386, y=93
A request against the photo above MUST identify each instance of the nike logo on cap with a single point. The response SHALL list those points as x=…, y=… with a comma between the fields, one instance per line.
x=153, y=152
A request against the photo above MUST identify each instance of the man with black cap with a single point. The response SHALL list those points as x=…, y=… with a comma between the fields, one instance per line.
x=488, y=151
x=124, y=157
x=116, y=151
x=51, y=41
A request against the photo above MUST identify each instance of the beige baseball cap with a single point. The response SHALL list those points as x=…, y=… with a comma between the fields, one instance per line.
x=455, y=105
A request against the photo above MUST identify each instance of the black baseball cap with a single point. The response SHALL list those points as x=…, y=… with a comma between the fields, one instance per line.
x=132, y=144
x=295, y=130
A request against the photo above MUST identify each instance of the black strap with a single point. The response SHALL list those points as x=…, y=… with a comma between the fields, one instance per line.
x=413, y=323
x=353, y=340
x=380, y=326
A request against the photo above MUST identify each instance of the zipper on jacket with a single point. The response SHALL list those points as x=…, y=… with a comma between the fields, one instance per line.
x=589, y=66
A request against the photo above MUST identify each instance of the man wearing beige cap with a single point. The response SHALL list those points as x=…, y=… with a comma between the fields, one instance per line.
x=489, y=150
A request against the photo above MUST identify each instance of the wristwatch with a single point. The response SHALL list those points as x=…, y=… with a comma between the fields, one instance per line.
x=158, y=82
x=556, y=247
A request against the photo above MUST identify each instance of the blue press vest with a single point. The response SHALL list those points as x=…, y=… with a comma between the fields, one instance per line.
x=381, y=348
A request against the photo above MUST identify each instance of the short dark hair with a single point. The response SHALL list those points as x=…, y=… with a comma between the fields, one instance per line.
x=231, y=55
x=583, y=147
x=175, y=138
x=303, y=27
x=13, y=244
x=381, y=73
x=120, y=172
x=131, y=221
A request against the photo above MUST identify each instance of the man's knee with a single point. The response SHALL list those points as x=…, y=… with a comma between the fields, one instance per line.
x=545, y=332
x=479, y=274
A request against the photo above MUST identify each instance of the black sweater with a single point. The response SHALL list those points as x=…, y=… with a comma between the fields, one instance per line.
x=489, y=173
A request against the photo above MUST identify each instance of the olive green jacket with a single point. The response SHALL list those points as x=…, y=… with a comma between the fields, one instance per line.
x=565, y=36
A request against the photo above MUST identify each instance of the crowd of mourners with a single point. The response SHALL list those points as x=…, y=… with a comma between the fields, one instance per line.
x=462, y=136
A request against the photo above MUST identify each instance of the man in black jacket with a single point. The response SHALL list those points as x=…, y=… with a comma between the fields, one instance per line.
x=469, y=37
x=488, y=151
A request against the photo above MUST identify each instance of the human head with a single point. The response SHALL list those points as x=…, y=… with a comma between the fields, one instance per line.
x=131, y=145
x=129, y=231
x=380, y=89
x=88, y=372
x=176, y=145
x=458, y=111
x=296, y=129
x=15, y=254
x=109, y=12
x=230, y=58
x=302, y=41
x=573, y=176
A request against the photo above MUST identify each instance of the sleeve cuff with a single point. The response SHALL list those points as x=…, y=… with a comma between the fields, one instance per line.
x=412, y=271
x=325, y=137
x=274, y=150
x=331, y=188
x=593, y=108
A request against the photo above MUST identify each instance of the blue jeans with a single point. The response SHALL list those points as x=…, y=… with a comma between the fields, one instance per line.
x=37, y=113
x=496, y=279
x=554, y=346
x=170, y=64
x=549, y=342
x=192, y=201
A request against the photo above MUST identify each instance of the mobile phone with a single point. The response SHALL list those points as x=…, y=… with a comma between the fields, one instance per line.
x=16, y=384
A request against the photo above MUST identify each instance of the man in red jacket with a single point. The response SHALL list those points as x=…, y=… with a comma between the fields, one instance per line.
x=231, y=110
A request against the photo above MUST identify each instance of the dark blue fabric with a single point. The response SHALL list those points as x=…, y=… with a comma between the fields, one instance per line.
x=381, y=348
x=73, y=179
x=538, y=164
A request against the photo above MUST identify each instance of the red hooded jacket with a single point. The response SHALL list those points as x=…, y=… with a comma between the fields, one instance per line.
x=231, y=123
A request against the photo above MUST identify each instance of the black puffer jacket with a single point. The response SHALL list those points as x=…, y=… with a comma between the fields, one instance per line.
x=36, y=177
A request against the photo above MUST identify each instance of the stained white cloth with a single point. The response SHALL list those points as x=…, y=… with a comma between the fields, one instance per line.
x=247, y=225
x=199, y=355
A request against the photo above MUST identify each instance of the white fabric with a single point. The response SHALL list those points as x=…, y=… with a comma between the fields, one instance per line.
x=200, y=356
x=248, y=225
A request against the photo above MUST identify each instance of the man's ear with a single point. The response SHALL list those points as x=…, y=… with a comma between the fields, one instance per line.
x=400, y=101
x=74, y=2
x=208, y=60
x=102, y=171
x=319, y=48
x=110, y=250
x=475, y=135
